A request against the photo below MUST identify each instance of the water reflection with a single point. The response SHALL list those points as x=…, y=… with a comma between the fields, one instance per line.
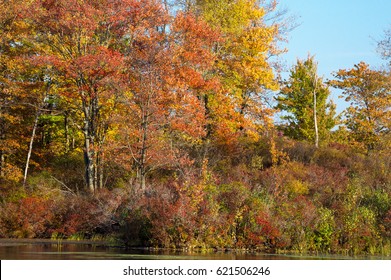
x=48, y=250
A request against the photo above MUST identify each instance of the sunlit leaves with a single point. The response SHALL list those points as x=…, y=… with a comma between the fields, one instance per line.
x=164, y=62
x=242, y=66
x=368, y=92
x=296, y=100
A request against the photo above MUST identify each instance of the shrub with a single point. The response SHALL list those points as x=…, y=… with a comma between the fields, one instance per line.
x=359, y=232
x=334, y=157
x=324, y=231
x=27, y=218
x=296, y=222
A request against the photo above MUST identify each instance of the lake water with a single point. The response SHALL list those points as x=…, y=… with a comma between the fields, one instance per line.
x=63, y=250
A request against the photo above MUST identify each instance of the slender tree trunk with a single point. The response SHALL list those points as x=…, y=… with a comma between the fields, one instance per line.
x=143, y=152
x=31, y=146
x=96, y=171
x=101, y=169
x=208, y=128
x=89, y=157
x=66, y=129
x=143, y=155
x=37, y=115
x=2, y=163
x=2, y=152
x=141, y=168
x=89, y=165
x=315, y=114
x=88, y=147
x=207, y=116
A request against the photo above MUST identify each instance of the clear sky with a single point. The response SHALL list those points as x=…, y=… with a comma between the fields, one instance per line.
x=340, y=33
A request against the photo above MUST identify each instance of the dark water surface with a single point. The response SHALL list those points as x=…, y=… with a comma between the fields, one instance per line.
x=25, y=249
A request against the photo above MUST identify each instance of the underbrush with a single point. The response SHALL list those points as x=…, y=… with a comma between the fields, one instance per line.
x=326, y=201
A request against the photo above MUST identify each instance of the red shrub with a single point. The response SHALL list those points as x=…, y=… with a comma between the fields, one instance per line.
x=27, y=218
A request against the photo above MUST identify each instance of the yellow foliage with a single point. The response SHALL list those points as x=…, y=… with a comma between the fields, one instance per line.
x=297, y=187
x=242, y=65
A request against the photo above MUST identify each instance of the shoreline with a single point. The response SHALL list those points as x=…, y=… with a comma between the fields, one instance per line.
x=50, y=241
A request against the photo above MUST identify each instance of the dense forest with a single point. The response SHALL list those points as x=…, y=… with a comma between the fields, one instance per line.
x=154, y=123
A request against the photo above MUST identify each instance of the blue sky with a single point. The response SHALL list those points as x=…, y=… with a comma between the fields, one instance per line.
x=340, y=33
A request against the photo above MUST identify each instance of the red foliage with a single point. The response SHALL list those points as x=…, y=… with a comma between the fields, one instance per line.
x=27, y=218
x=87, y=215
x=171, y=216
x=269, y=233
x=37, y=217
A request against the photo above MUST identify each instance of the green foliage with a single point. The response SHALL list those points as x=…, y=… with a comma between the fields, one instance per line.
x=379, y=201
x=296, y=99
x=324, y=230
x=360, y=233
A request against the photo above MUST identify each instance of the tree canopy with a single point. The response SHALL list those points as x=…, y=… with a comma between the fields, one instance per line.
x=368, y=93
x=296, y=100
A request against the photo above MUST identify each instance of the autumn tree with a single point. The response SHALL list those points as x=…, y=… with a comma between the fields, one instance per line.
x=243, y=67
x=161, y=107
x=384, y=48
x=305, y=105
x=5, y=117
x=28, y=99
x=384, y=45
x=79, y=40
x=247, y=73
x=368, y=93
x=17, y=90
x=139, y=114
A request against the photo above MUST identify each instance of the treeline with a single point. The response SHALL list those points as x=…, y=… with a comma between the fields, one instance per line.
x=153, y=122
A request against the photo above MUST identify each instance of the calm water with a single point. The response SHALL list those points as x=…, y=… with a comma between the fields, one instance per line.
x=48, y=250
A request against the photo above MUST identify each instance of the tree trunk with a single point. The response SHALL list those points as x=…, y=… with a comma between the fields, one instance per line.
x=208, y=128
x=141, y=173
x=2, y=163
x=90, y=130
x=315, y=114
x=66, y=129
x=2, y=152
x=207, y=117
x=31, y=146
x=142, y=178
x=101, y=174
x=37, y=115
x=89, y=157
